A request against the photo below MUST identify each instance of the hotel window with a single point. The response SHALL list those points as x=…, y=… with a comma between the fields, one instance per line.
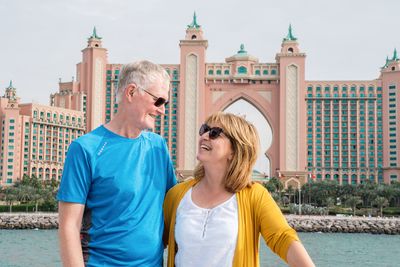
x=258, y=72
x=273, y=72
x=226, y=72
x=242, y=70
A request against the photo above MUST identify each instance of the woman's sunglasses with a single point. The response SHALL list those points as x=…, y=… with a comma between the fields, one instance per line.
x=213, y=132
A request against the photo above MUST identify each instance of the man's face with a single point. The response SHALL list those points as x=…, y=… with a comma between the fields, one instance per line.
x=144, y=109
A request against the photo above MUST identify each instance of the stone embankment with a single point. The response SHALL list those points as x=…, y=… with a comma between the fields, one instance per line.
x=28, y=220
x=336, y=224
x=328, y=224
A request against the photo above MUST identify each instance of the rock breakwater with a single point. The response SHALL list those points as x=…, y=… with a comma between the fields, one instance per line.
x=28, y=220
x=335, y=224
x=326, y=224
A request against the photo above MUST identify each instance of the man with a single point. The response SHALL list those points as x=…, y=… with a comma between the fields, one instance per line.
x=115, y=179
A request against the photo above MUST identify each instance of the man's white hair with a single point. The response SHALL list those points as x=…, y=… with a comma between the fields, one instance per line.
x=143, y=74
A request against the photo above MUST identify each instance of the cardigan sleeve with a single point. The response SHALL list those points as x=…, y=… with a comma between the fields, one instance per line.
x=167, y=208
x=273, y=226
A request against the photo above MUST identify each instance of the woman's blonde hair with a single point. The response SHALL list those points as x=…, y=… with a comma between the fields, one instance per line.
x=245, y=145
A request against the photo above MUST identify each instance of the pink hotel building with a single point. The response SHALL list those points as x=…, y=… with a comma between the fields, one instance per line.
x=338, y=130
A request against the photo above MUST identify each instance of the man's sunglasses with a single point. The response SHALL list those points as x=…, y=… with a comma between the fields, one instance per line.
x=159, y=101
x=213, y=132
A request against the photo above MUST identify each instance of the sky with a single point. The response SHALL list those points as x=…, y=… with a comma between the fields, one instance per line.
x=41, y=40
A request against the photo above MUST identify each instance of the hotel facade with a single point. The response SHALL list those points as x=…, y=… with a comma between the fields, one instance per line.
x=324, y=130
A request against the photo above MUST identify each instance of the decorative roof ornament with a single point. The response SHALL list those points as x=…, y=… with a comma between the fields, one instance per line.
x=395, y=55
x=290, y=36
x=386, y=63
x=94, y=34
x=194, y=24
x=242, y=51
x=10, y=86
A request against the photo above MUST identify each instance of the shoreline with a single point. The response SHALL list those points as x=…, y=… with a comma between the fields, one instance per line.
x=303, y=223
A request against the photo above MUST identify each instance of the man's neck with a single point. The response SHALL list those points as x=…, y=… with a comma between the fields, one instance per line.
x=121, y=126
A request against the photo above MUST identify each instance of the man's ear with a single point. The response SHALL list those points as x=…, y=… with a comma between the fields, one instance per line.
x=130, y=90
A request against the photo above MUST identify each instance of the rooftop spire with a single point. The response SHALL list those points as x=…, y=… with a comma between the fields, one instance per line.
x=94, y=34
x=290, y=36
x=10, y=86
x=395, y=55
x=194, y=24
x=387, y=62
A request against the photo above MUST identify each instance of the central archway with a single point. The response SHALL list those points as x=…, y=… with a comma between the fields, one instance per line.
x=244, y=108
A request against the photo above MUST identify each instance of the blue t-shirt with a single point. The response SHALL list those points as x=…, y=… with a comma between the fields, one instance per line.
x=122, y=183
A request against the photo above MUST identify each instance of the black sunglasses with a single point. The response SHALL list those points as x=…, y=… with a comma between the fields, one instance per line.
x=159, y=101
x=213, y=132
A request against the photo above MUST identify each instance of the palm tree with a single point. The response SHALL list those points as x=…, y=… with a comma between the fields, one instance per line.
x=285, y=201
x=38, y=198
x=381, y=202
x=329, y=202
x=353, y=201
x=290, y=192
x=10, y=195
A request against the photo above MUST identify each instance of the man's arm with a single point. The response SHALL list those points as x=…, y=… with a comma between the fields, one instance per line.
x=297, y=256
x=70, y=222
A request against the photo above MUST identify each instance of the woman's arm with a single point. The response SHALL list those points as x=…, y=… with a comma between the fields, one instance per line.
x=279, y=236
x=297, y=256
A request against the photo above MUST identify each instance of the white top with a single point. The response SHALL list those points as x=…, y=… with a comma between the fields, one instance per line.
x=206, y=237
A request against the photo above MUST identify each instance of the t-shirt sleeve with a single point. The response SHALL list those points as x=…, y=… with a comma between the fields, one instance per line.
x=76, y=178
x=273, y=226
x=171, y=177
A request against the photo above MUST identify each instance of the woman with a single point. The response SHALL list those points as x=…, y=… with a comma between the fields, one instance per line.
x=216, y=219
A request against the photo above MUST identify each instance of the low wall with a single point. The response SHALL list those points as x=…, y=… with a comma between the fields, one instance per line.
x=329, y=224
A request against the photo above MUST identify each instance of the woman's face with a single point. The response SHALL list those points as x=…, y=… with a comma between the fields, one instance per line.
x=214, y=146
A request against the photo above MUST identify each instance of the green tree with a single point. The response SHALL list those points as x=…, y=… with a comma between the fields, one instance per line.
x=381, y=202
x=38, y=198
x=329, y=202
x=285, y=201
x=290, y=192
x=353, y=201
x=9, y=196
x=32, y=181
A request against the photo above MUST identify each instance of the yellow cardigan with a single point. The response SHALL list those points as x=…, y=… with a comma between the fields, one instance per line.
x=258, y=214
